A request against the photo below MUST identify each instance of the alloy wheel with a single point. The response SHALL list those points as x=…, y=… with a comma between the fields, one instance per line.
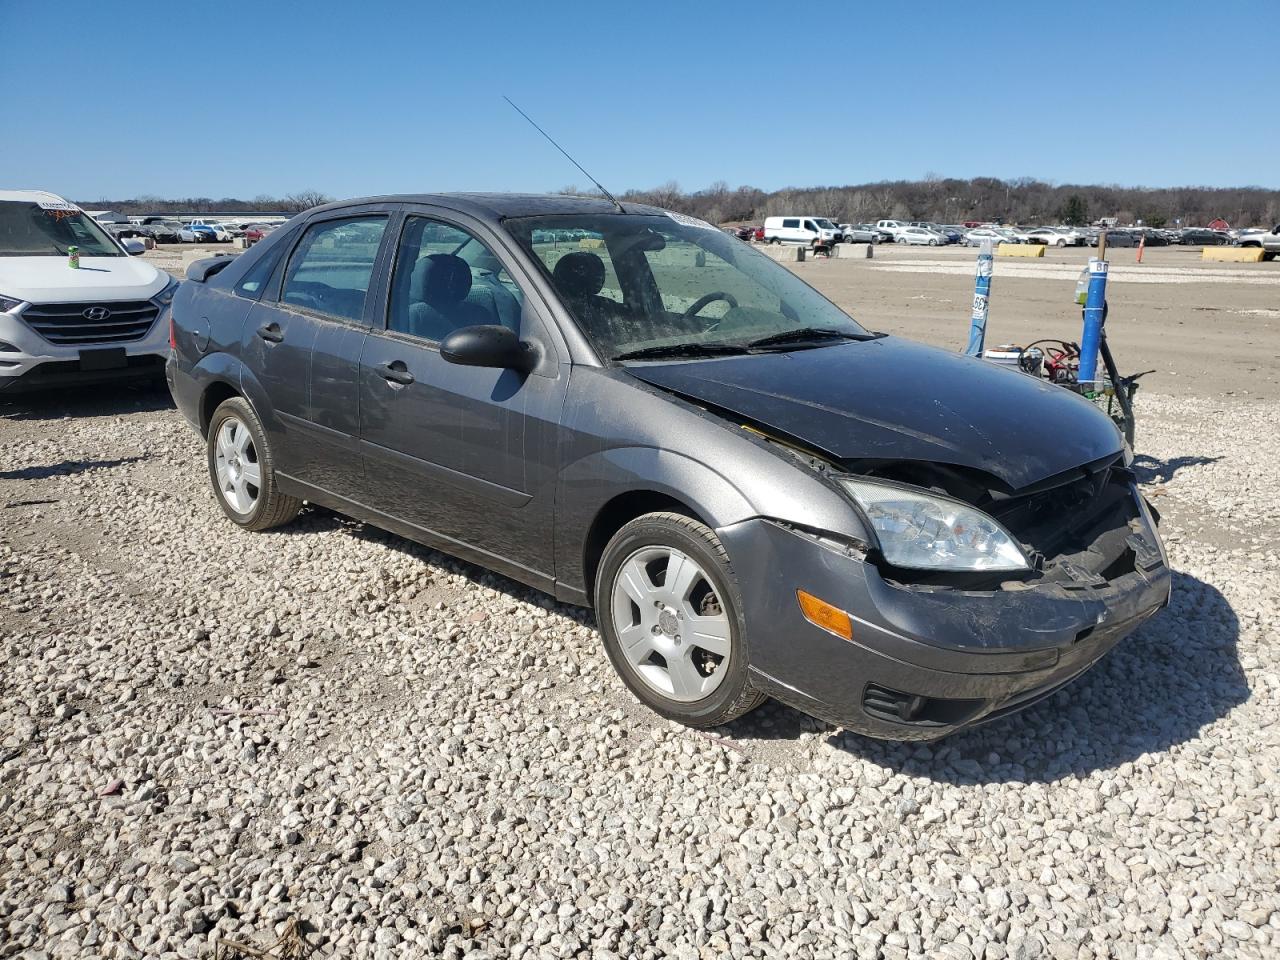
x=236, y=465
x=672, y=627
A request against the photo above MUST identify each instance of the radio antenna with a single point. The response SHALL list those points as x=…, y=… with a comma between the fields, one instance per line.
x=599, y=185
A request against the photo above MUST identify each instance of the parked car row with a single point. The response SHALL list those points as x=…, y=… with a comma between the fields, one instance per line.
x=166, y=229
x=811, y=229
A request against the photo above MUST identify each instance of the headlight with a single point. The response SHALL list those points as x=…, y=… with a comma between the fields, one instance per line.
x=8, y=303
x=165, y=296
x=923, y=532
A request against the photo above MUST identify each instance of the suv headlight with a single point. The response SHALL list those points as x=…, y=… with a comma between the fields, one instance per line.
x=8, y=303
x=924, y=532
x=165, y=296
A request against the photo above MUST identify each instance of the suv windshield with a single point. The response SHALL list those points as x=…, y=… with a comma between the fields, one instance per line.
x=652, y=283
x=30, y=230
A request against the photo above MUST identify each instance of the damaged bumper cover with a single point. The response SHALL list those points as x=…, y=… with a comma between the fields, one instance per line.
x=926, y=660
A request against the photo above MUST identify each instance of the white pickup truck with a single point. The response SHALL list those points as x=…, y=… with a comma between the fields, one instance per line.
x=893, y=227
x=1269, y=241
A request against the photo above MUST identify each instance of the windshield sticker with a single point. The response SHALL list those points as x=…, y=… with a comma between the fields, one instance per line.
x=57, y=205
x=688, y=221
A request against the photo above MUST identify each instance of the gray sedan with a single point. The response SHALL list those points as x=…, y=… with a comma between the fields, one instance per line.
x=630, y=410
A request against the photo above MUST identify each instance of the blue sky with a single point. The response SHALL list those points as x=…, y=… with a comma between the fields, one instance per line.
x=195, y=98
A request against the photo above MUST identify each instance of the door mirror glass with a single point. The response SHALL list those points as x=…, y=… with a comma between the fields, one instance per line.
x=488, y=345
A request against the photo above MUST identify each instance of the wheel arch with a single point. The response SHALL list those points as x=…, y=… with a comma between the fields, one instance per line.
x=214, y=395
x=616, y=514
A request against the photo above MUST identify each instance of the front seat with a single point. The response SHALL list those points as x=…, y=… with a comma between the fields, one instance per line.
x=438, y=297
x=580, y=277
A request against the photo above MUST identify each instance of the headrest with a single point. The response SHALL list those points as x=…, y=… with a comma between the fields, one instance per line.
x=440, y=280
x=579, y=274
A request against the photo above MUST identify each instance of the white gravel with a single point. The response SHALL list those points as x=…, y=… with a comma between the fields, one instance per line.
x=205, y=733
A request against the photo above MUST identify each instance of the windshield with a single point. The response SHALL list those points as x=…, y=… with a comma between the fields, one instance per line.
x=646, y=282
x=30, y=230
x=826, y=224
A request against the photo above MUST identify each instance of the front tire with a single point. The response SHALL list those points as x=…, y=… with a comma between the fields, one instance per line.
x=669, y=610
x=242, y=470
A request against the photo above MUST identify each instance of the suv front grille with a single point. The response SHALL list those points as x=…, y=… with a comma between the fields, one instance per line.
x=67, y=323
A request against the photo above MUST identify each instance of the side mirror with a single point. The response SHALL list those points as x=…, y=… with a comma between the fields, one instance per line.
x=133, y=246
x=488, y=345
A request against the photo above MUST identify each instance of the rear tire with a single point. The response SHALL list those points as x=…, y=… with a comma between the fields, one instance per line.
x=699, y=679
x=242, y=470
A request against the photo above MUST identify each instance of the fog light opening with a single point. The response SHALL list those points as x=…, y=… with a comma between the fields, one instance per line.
x=822, y=614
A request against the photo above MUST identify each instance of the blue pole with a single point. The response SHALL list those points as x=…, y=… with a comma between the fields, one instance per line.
x=981, y=301
x=1094, y=305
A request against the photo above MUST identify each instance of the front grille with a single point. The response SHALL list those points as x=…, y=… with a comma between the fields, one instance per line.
x=66, y=323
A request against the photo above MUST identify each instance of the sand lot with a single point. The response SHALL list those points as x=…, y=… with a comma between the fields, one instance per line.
x=1207, y=329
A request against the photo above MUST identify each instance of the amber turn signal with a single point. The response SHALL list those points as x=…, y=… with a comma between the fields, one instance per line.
x=824, y=615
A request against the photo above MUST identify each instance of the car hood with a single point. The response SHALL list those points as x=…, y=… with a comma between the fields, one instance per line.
x=50, y=280
x=892, y=399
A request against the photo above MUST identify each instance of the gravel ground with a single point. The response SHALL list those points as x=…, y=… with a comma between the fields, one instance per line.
x=207, y=733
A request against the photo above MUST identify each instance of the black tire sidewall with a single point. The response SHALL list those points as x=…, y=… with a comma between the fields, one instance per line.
x=239, y=408
x=662, y=530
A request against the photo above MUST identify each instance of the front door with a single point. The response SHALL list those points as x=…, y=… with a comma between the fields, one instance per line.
x=465, y=454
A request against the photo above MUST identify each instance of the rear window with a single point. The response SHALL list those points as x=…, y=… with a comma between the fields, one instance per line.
x=331, y=268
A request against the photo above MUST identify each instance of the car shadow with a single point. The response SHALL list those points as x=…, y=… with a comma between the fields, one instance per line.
x=142, y=396
x=316, y=519
x=67, y=468
x=1177, y=674
x=1151, y=470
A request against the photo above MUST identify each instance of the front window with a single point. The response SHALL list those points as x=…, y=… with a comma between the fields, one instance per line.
x=28, y=229
x=446, y=279
x=650, y=283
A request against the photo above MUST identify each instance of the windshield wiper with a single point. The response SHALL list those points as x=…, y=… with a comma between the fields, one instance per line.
x=682, y=350
x=814, y=335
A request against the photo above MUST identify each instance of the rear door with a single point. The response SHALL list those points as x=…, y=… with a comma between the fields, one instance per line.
x=304, y=346
x=464, y=454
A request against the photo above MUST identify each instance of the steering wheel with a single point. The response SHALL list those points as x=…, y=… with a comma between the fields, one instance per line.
x=707, y=298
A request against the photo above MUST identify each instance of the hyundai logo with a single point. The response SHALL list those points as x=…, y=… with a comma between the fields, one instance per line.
x=96, y=313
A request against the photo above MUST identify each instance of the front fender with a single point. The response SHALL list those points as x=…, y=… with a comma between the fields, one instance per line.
x=591, y=483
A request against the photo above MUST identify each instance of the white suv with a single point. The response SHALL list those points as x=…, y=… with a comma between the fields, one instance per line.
x=60, y=325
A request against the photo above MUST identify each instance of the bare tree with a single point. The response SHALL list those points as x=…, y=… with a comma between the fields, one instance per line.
x=305, y=200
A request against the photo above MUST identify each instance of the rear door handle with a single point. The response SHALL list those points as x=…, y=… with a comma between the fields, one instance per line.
x=395, y=371
x=271, y=333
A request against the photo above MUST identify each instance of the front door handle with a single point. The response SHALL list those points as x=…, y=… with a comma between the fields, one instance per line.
x=271, y=333
x=395, y=371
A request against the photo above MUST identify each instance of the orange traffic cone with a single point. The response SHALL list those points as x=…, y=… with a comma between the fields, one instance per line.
x=1142, y=245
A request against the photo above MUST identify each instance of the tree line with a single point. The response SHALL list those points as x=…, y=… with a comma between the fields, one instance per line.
x=1024, y=200
x=946, y=200
x=263, y=203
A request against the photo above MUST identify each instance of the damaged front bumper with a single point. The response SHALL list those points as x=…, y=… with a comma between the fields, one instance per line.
x=926, y=660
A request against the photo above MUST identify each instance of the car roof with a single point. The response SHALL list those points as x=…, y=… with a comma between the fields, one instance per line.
x=34, y=196
x=503, y=206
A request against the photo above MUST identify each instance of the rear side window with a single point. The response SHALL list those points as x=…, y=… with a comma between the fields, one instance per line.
x=790, y=224
x=252, y=283
x=332, y=266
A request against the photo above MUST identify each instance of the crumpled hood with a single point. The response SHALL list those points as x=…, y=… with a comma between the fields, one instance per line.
x=50, y=280
x=892, y=399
